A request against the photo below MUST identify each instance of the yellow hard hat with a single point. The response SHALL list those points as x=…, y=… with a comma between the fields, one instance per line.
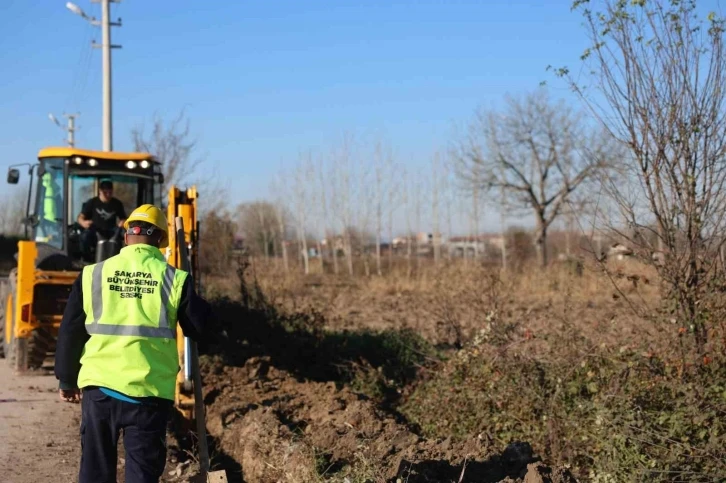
x=154, y=216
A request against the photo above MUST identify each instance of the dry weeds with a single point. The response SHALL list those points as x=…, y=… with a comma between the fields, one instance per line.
x=584, y=364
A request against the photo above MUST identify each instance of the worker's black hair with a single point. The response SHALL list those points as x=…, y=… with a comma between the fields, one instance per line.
x=106, y=184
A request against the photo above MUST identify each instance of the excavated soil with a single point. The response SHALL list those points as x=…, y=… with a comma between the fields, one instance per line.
x=268, y=426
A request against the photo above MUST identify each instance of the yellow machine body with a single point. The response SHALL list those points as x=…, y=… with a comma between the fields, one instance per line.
x=183, y=203
x=29, y=279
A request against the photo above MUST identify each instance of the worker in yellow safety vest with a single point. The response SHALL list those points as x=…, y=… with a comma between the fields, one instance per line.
x=117, y=345
x=50, y=199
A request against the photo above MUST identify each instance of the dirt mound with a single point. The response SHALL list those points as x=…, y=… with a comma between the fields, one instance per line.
x=279, y=428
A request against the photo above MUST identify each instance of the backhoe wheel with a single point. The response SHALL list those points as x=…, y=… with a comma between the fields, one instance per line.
x=30, y=352
x=3, y=304
x=38, y=346
x=9, y=318
x=19, y=351
x=9, y=335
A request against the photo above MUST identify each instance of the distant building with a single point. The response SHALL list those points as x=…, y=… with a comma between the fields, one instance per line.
x=474, y=246
x=619, y=251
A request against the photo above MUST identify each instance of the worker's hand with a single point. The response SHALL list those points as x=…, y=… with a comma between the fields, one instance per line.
x=86, y=223
x=121, y=223
x=70, y=395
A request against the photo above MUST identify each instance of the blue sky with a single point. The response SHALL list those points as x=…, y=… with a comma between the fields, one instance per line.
x=262, y=81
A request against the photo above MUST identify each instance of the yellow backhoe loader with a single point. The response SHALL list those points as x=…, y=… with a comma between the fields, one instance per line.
x=52, y=254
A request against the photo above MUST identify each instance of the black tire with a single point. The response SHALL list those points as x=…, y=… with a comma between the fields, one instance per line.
x=10, y=354
x=38, y=346
x=8, y=307
x=3, y=303
x=19, y=355
x=26, y=353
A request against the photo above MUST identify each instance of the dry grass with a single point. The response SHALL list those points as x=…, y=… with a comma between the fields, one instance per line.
x=451, y=301
x=584, y=364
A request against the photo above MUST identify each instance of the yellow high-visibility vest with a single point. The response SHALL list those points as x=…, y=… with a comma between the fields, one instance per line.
x=131, y=302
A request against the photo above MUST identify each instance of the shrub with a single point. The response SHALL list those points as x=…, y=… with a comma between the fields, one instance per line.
x=614, y=415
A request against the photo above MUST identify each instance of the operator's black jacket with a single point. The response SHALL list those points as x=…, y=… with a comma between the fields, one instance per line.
x=194, y=314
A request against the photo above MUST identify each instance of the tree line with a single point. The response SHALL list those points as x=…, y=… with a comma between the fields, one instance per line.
x=534, y=157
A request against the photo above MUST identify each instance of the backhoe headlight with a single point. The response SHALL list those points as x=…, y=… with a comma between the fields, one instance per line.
x=92, y=163
x=78, y=160
x=131, y=164
x=144, y=164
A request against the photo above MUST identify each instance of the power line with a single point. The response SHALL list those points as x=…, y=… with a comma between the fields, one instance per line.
x=81, y=69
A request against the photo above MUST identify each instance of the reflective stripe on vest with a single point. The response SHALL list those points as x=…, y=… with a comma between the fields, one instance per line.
x=162, y=331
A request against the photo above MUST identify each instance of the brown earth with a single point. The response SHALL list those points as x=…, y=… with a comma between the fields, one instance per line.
x=39, y=434
x=40, y=439
x=277, y=428
x=282, y=415
x=268, y=426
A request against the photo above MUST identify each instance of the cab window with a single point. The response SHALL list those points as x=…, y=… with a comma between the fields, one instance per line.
x=49, y=207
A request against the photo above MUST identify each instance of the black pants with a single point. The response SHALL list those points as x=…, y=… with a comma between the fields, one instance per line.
x=90, y=237
x=144, y=429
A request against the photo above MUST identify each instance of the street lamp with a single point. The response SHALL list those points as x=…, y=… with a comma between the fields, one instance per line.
x=106, y=47
x=70, y=130
x=78, y=10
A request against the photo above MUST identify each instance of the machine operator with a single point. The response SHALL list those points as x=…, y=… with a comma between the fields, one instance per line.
x=102, y=215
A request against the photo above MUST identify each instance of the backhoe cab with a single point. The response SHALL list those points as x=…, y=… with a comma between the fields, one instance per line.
x=52, y=255
x=69, y=177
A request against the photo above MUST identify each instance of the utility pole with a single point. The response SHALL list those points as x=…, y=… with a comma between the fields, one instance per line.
x=70, y=129
x=105, y=47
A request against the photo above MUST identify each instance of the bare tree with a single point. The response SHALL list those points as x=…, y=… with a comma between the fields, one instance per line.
x=418, y=205
x=267, y=231
x=282, y=216
x=379, y=162
x=366, y=204
x=218, y=231
x=448, y=195
x=282, y=231
x=316, y=203
x=435, y=195
x=476, y=202
x=660, y=69
x=392, y=198
x=407, y=214
x=343, y=194
x=13, y=212
x=503, y=228
x=301, y=197
x=328, y=221
x=259, y=224
x=537, y=153
x=171, y=143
